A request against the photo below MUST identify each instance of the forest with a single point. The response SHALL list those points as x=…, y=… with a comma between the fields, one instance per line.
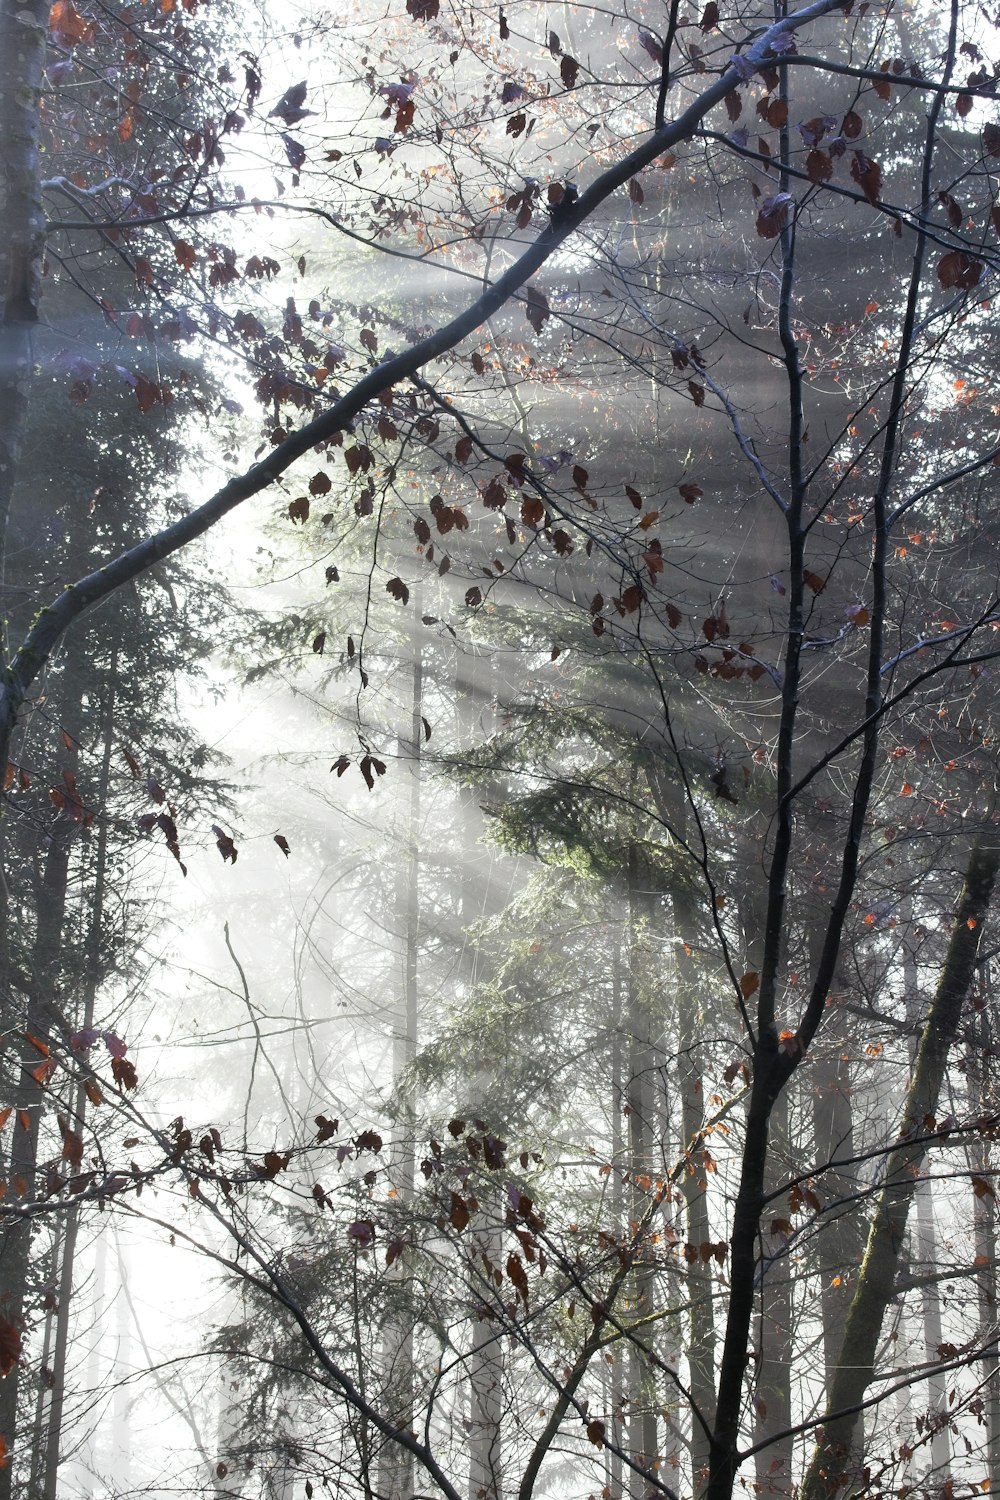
x=499, y=976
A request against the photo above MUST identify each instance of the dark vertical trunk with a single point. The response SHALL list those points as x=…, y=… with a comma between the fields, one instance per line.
x=982, y=1049
x=772, y=1405
x=773, y=1391
x=618, y=1101
x=29, y=1091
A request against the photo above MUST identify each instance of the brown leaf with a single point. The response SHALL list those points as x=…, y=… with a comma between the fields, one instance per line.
x=370, y=767
x=68, y=26
x=773, y=214
x=536, y=308
x=868, y=175
x=819, y=166
x=959, y=270
x=568, y=70
x=518, y=1276
x=225, y=844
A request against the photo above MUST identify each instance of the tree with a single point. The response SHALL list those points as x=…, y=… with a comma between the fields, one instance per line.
x=780, y=660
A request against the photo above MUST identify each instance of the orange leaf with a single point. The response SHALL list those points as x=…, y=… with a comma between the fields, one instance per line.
x=67, y=24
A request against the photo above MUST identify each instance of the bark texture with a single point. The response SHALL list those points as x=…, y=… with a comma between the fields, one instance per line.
x=838, y=1460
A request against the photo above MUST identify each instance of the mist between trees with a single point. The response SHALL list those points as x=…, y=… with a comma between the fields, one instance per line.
x=497, y=947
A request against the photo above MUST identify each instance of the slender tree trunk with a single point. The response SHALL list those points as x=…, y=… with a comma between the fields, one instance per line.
x=57, y=1399
x=837, y=1459
x=642, y=1122
x=694, y=1185
x=981, y=1052
x=485, y=1362
x=840, y=1245
x=38, y=1423
x=121, y=1425
x=924, y=1260
x=93, y=1378
x=772, y=1386
x=396, y=1469
x=30, y=1092
x=614, y=1465
x=773, y=1391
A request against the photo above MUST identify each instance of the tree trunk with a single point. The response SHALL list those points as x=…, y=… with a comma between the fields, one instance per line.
x=837, y=1459
x=924, y=1259
x=642, y=1123
x=614, y=1467
x=23, y=36
x=30, y=1093
x=85, y=1020
x=396, y=1467
x=773, y=1391
x=982, y=1045
x=485, y=1361
x=840, y=1245
x=694, y=1185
